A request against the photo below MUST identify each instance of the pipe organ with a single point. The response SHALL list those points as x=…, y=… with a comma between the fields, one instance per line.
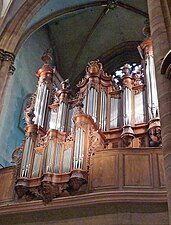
x=63, y=130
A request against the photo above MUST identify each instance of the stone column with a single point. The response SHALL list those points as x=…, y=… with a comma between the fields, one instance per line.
x=6, y=69
x=160, y=28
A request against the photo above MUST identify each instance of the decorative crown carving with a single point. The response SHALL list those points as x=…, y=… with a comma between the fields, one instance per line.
x=47, y=56
x=94, y=67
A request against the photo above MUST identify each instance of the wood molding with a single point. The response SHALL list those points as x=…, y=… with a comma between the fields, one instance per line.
x=86, y=199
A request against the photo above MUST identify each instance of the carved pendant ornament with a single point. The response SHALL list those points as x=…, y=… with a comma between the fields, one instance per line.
x=64, y=130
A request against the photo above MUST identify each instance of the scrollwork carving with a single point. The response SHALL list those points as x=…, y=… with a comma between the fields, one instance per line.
x=29, y=110
x=17, y=155
x=94, y=141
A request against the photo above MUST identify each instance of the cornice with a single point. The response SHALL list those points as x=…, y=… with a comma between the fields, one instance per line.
x=86, y=199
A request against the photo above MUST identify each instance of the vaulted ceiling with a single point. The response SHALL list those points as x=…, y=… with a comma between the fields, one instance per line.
x=80, y=31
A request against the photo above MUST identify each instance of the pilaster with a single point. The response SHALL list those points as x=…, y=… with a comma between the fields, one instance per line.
x=159, y=31
x=6, y=68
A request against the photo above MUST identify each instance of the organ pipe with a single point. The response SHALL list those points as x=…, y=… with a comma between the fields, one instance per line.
x=45, y=75
x=29, y=143
x=49, y=152
x=115, y=112
x=127, y=97
x=36, y=164
x=103, y=110
x=147, y=50
x=64, y=129
x=79, y=148
x=58, y=157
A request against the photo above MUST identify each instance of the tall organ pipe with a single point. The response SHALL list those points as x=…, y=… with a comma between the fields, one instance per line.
x=151, y=88
x=44, y=74
x=61, y=114
x=103, y=110
x=147, y=49
x=92, y=103
x=31, y=132
x=127, y=96
x=79, y=148
x=127, y=104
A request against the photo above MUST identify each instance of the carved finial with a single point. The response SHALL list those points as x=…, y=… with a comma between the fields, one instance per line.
x=79, y=105
x=94, y=66
x=138, y=77
x=47, y=56
x=126, y=69
x=65, y=84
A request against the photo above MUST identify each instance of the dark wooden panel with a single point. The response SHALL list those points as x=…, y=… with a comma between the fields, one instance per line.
x=105, y=171
x=161, y=170
x=7, y=179
x=137, y=170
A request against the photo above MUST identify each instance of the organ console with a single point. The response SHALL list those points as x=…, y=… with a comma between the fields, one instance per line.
x=64, y=130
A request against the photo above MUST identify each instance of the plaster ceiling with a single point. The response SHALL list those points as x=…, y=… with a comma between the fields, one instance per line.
x=86, y=30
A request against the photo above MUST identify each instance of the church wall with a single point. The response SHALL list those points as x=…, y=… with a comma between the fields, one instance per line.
x=19, y=86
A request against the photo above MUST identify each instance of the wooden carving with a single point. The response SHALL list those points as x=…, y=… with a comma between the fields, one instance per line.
x=29, y=110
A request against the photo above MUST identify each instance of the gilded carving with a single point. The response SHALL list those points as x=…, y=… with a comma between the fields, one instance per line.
x=127, y=135
x=155, y=136
x=29, y=110
x=94, y=67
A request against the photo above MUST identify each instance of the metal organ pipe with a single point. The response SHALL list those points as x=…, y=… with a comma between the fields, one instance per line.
x=139, y=107
x=36, y=165
x=44, y=109
x=41, y=104
x=79, y=148
x=147, y=49
x=66, y=160
x=127, y=106
x=92, y=103
x=61, y=114
x=114, y=112
x=76, y=147
x=37, y=104
x=58, y=158
x=151, y=88
x=49, y=156
x=103, y=110
x=26, y=160
x=52, y=119
x=70, y=119
x=62, y=127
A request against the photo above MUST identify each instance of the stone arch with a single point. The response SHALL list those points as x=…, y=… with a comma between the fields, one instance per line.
x=14, y=29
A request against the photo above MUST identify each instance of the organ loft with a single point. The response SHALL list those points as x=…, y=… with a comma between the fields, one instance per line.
x=87, y=138
x=104, y=136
